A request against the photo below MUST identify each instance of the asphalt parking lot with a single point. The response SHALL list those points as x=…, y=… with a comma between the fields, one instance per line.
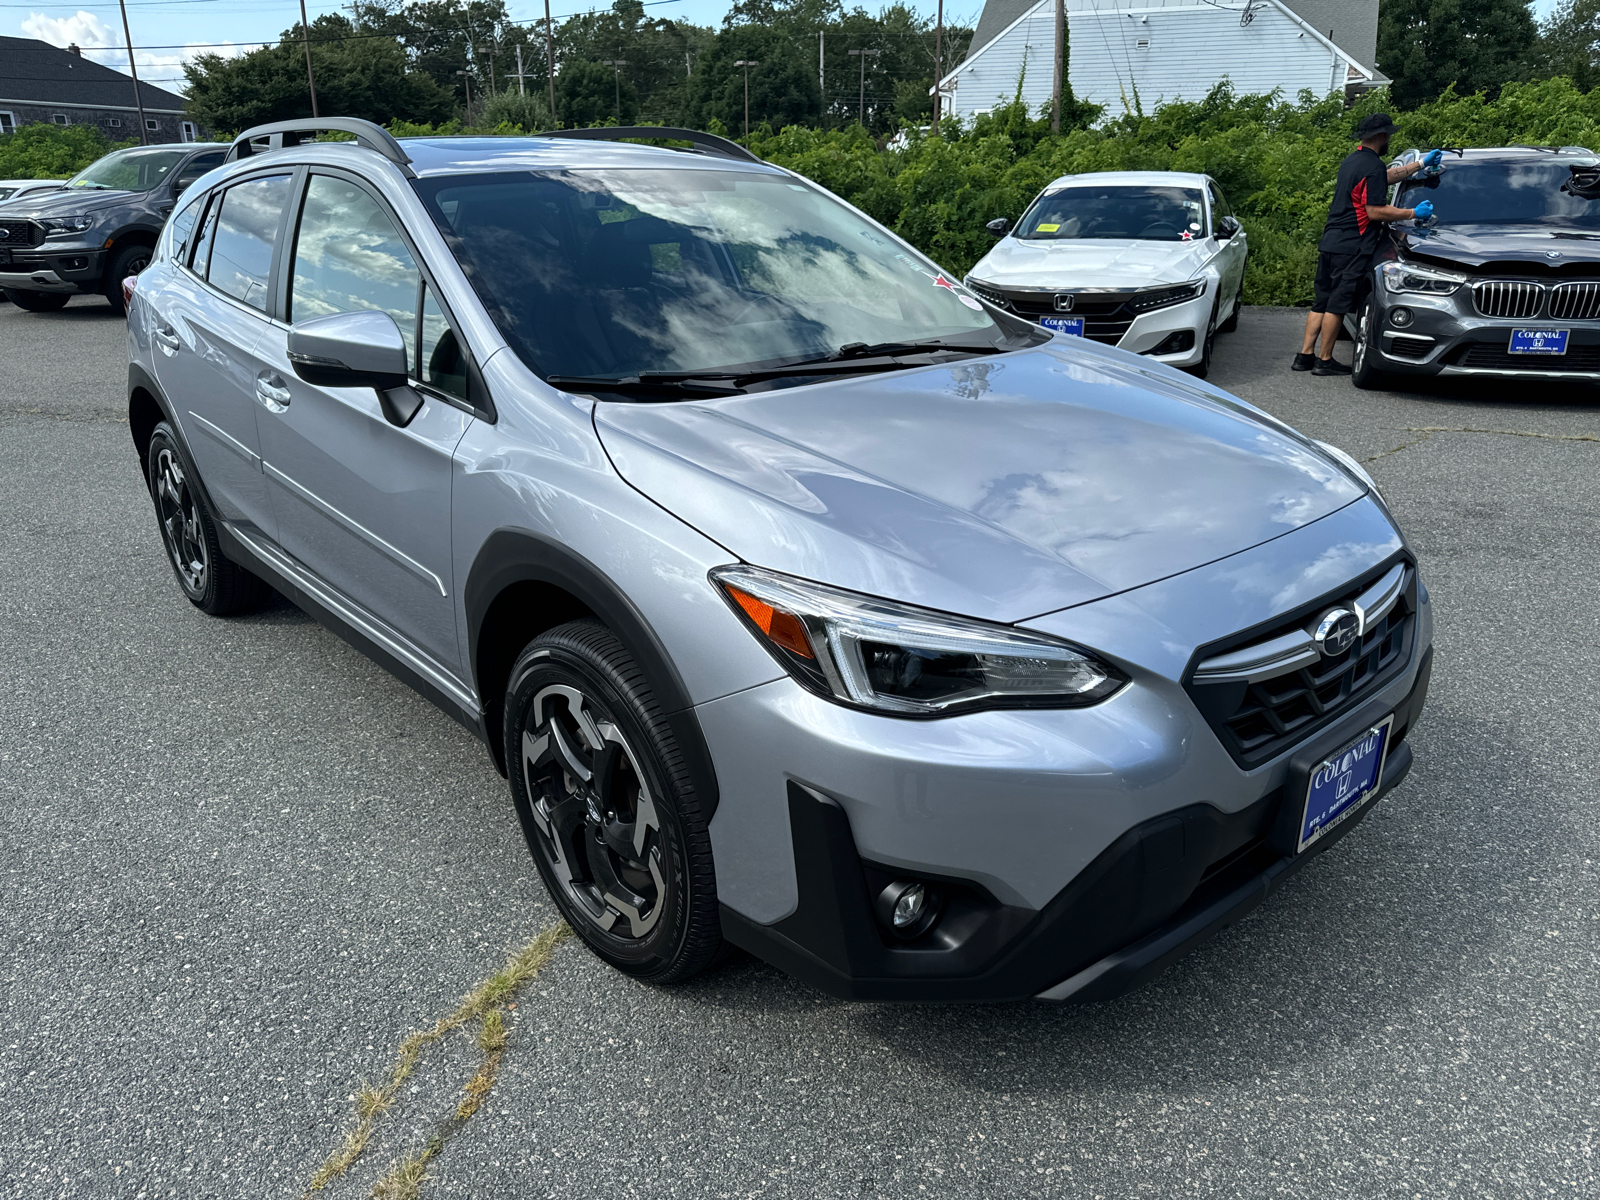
x=241, y=863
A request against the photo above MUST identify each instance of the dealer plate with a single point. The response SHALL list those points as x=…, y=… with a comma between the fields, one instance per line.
x=1073, y=325
x=1538, y=341
x=1344, y=781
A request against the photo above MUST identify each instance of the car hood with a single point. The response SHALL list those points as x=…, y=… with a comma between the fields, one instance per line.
x=1549, y=246
x=1000, y=488
x=67, y=202
x=1091, y=262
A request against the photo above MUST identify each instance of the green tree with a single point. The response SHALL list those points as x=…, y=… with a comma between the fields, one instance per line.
x=783, y=91
x=1569, y=43
x=46, y=151
x=355, y=76
x=1425, y=46
x=591, y=93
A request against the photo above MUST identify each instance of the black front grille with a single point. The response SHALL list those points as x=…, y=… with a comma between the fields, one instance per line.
x=21, y=233
x=1106, y=315
x=1258, y=721
x=1495, y=357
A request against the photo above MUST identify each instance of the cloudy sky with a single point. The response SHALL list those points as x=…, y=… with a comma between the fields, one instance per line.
x=167, y=32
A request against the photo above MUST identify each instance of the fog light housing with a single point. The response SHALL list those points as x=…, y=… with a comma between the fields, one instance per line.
x=1399, y=317
x=907, y=908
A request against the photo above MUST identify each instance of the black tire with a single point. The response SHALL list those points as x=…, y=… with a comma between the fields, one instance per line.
x=1363, y=373
x=130, y=260
x=1203, y=368
x=38, y=301
x=577, y=702
x=212, y=582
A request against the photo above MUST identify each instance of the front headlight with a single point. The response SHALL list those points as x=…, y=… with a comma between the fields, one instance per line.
x=1355, y=469
x=1408, y=277
x=64, y=226
x=1153, y=298
x=894, y=658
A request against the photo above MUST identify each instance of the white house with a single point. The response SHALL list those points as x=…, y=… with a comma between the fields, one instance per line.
x=1147, y=52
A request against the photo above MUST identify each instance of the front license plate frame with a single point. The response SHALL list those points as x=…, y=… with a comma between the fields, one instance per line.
x=1072, y=325
x=1538, y=341
x=1339, y=786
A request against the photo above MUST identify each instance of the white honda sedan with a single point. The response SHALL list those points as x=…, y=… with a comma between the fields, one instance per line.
x=1151, y=261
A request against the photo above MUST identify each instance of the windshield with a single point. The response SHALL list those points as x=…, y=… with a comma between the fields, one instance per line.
x=1527, y=193
x=616, y=272
x=1129, y=212
x=128, y=170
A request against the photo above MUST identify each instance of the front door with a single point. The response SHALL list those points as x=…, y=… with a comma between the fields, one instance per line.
x=362, y=503
x=1231, y=254
x=206, y=325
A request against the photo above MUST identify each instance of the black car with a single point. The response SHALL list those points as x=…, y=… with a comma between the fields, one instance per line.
x=1505, y=282
x=100, y=229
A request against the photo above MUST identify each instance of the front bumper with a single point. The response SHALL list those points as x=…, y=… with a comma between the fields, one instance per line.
x=68, y=269
x=1447, y=336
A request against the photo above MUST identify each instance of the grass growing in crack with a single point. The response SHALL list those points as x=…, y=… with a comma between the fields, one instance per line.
x=482, y=1003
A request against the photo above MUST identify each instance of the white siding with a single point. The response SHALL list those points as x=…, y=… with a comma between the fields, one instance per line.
x=1191, y=47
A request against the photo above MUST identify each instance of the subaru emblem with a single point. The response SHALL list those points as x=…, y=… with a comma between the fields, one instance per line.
x=1064, y=302
x=1336, y=631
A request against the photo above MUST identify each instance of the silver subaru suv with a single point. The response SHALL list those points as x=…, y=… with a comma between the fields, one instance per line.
x=807, y=602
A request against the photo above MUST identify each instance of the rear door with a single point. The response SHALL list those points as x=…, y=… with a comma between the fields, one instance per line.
x=206, y=325
x=364, y=504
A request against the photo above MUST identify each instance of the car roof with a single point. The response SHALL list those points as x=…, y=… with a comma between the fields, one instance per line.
x=1566, y=154
x=462, y=155
x=1150, y=178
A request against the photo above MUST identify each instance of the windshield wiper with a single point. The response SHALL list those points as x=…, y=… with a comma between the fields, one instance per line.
x=863, y=350
x=687, y=385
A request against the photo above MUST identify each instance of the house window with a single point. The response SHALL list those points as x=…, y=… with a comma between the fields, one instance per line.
x=8, y=122
x=191, y=132
x=114, y=122
x=151, y=124
x=60, y=118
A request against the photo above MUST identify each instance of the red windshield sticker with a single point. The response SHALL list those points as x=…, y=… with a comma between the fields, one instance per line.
x=941, y=281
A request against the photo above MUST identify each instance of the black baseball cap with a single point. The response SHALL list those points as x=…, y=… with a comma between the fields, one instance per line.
x=1373, y=125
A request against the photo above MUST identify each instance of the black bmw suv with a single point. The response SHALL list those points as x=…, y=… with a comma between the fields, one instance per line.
x=1504, y=283
x=100, y=229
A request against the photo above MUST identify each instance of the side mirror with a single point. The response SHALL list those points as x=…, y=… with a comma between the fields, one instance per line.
x=1227, y=227
x=1000, y=226
x=356, y=349
x=181, y=183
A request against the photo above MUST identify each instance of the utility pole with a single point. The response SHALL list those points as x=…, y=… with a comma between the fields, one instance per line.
x=133, y=69
x=521, y=89
x=489, y=50
x=550, y=61
x=938, y=63
x=822, y=67
x=305, y=38
x=467, y=75
x=746, y=63
x=863, y=55
x=1055, y=94
x=616, y=64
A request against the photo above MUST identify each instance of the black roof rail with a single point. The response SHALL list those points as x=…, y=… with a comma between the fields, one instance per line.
x=703, y=143
x=291, y=133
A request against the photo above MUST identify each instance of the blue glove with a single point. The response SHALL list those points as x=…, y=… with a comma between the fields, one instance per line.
x=1424, y=211
x=1432, y=159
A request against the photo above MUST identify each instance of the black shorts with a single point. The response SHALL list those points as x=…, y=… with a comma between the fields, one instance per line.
x=1343, y=281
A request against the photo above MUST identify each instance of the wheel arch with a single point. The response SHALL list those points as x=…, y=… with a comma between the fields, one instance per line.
x=146, y=409
x=521, y=584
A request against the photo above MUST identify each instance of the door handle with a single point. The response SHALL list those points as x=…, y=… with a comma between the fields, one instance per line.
x=272, y=391
x=166, y=337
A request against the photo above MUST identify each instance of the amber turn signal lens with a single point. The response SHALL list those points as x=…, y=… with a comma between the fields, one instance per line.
x=785, y=629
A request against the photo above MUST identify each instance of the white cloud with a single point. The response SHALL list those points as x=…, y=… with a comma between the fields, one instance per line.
x=104, y=45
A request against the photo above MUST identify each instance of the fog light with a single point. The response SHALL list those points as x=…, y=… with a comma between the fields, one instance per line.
x=1399, y=317
x=907, y=908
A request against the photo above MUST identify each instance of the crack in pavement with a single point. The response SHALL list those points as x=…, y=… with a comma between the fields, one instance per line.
x=404, y=1178
x=1427, y=431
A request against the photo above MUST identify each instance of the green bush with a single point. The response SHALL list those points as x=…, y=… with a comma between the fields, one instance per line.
x=45, y=151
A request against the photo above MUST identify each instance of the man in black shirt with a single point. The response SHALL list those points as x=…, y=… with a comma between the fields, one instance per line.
x=1344, y=259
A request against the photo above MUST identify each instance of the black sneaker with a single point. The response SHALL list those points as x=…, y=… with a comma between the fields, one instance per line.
x=1330, y=366
x=1304, y=362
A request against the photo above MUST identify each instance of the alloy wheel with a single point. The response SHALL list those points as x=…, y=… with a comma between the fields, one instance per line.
x=180, y=523
x=596, y=817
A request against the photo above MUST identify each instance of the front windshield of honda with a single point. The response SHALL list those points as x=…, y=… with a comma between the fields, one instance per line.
x=128, y=170
x=1506, y=193
x=617, y=272
x=1128, y=212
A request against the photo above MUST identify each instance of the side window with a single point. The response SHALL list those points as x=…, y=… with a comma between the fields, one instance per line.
x=444, y=364
x=183, y=223
x=348, y=257
x=196, y=167
x=246, y=230
x=1219, y=206
x=200, y=246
